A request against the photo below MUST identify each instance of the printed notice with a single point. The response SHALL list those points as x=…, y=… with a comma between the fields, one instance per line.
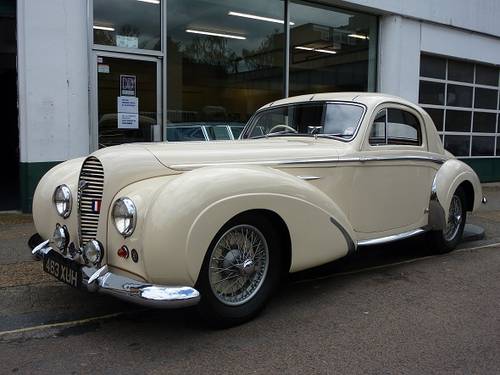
x=128, y=85
x=128, y=104
x=102, y=68
x=128, y=121
x=127, y=41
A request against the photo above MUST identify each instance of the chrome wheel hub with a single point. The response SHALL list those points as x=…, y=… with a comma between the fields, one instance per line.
x=454, y=218
x=238, y=265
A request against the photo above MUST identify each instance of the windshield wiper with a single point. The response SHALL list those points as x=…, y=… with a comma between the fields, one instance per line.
x=333, y=135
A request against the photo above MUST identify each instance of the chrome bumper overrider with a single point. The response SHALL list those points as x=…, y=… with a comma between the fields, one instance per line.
x=151, y=295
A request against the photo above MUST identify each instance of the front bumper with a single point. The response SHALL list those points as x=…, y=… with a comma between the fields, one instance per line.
x=150, y=295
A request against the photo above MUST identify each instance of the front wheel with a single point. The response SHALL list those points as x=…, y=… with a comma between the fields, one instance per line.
x=446, y=240
x=240, y=271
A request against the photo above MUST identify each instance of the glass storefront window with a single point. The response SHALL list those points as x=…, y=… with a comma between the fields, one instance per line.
x=224, y=59
x=331, y=49
x=128, y=23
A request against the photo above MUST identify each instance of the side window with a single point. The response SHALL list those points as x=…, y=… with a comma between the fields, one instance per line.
x=395, y=127
x=403, y=128
x=377, y=133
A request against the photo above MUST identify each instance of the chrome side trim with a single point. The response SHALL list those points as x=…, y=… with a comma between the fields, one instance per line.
x=360, y=159
x=309, y=178
x=432, y=159
x=392, y=238
x=351, y=246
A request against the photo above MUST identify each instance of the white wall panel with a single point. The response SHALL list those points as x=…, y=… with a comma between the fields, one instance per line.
x=53, y=79
x=399, y=57
x=476, y=15
x=461, y=44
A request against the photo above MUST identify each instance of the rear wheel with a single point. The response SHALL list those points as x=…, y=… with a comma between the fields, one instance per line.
x=446, y=240
x=240, y=271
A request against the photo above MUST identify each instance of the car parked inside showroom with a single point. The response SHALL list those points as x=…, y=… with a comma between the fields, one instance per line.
x=218, y=224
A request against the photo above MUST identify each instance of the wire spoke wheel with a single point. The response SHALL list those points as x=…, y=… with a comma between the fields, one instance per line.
x=238, y=265
x=454, y=218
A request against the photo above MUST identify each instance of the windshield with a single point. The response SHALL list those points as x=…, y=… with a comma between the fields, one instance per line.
x=334, y=119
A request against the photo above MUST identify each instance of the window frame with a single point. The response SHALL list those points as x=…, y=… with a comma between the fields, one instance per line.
x=245, y=134
x=398, y=106
x=473, y=110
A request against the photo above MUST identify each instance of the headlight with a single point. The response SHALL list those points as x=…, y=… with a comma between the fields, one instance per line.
x=62, y=200
x=92, y=252
x=124, y=216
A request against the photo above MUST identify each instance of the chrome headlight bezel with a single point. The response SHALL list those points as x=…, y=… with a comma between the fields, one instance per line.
x=124, y=215
x=63, y=200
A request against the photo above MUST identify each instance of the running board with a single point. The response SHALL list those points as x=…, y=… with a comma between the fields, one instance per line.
x=392, y=238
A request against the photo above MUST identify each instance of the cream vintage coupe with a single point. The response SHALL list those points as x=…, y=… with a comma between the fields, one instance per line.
x=217, y=224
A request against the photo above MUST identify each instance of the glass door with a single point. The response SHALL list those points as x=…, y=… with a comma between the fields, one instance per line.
x=128, y=100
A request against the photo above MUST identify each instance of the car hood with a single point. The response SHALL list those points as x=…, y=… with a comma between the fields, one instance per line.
x=189, y=155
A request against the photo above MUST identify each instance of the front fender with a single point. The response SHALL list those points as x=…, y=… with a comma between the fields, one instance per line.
x=446, y=181
x=45, y=217
x=188, y=211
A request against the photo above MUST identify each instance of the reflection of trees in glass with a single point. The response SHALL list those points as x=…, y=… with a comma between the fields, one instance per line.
x=129, y=30
x=104, y=37
x=211, y=50
x=263, y=56
x=215, y=51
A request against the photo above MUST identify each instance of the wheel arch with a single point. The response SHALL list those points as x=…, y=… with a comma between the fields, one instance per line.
x=468, y=188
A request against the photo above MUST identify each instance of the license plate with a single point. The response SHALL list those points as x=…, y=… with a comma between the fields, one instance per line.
x=62, y=269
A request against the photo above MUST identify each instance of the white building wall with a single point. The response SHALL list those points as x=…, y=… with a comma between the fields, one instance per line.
x=401, y=41
x=399, y=57
x=475, y=15
x=53, y=79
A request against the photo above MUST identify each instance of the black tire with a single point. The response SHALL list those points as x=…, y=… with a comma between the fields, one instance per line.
x=439, y=243
x=215, y=312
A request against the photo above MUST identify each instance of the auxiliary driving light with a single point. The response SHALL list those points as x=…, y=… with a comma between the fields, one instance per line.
x=60, y=238
x=92, y=252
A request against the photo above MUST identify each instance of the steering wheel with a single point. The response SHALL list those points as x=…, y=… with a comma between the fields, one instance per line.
x=273, y=129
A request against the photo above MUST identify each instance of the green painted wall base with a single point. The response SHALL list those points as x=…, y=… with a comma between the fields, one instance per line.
x=488, y=169
x=30, y=174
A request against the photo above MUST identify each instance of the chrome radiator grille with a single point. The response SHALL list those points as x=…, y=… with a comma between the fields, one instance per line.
x=90, y=190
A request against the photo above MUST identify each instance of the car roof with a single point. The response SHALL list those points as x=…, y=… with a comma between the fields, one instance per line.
x=367, y=98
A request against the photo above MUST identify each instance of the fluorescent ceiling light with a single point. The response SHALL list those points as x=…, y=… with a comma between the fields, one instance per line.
x=326, y=51
x=305, y=48
x=358, y=36
x=105, y=28
x=157, y=2
x=320, y=50
x=215, y=34
x=260, y=18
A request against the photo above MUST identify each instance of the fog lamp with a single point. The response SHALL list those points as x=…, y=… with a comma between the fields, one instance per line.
x=92, y=252
x=60, y=238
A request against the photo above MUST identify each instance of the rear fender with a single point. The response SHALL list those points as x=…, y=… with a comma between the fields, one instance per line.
x=448, y=178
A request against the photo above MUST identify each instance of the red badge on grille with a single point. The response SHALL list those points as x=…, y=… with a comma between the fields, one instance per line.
x=96, y=206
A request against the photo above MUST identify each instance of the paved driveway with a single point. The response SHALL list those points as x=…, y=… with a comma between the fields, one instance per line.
x=392, y=309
